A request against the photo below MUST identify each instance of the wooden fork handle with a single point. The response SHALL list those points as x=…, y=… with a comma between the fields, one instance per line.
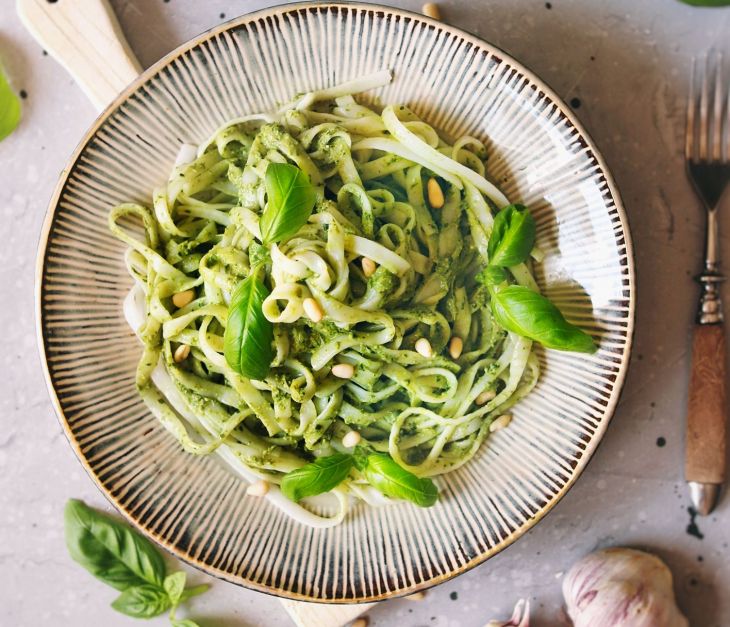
x=707, y=410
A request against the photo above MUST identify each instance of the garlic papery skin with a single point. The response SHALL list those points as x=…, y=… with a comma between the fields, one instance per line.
x=520, y=616
x=621, y=588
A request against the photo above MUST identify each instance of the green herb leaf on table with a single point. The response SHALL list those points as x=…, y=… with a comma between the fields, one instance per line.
x=110, y=550
x=388, y=477
x=143, y=601
x=174, y=585
x=189, y=593
x=322, y=475
x=291, y=197
x=9, y=108
x=529, y=314
x=127, y=561
x=512, y=237
x=247, y=341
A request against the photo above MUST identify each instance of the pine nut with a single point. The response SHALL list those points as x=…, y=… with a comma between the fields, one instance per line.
x=351, y=439
x=368, y=267
x=485, y=397
x=423, y=347
x=183, y=298
x=456, y=345
x=360, y=622
x=343, y=371
x=313, y=309
x=258, y=488
x=500, y=423
x=416, y=596
x=435, y=194
x=431, y=9
x=181, y=353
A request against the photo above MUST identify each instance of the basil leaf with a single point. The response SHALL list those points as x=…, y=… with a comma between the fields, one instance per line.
x=527, y=313
x=384, y=474
x=110, y=550
x=249, y=335
x=174, y=585
x=512, y=237
x=9, y=108
x=193, y=592
x=291, y=199
x=143, y=601
x=322, y=475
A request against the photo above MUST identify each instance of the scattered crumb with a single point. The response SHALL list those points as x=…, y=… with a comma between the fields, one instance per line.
x=416, y=596
x=431, y=9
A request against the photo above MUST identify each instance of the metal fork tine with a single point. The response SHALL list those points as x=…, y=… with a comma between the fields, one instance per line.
x=704, y=105
x=716, y=139
x=689, y=135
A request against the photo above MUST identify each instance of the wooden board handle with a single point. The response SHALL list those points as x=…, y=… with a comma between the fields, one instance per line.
x=85, y=37
x=707, y=409
x=319, y=615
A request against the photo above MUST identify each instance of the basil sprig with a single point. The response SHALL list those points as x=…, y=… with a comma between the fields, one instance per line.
x=380, y=471
x=127, y=561
x=322, y=475
x=249, y=334
x=388, y=477
x=512, y=238
x=529, y=314
x=515, y=307
x=291, y=198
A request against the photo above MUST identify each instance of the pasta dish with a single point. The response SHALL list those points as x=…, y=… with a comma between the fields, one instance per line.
x=337, y=301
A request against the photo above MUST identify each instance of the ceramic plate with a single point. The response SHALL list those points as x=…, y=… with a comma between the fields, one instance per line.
x=539, y=154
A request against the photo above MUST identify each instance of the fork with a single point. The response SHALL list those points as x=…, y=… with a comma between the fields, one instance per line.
x=707, y=159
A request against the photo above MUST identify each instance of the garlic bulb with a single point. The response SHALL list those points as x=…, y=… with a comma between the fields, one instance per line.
x=621, y=588
x=520, y=617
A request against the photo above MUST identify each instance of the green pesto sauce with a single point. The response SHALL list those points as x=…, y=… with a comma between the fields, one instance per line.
x=383, y=281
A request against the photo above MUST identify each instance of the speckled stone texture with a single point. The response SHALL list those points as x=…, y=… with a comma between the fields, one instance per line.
x=624, y=67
